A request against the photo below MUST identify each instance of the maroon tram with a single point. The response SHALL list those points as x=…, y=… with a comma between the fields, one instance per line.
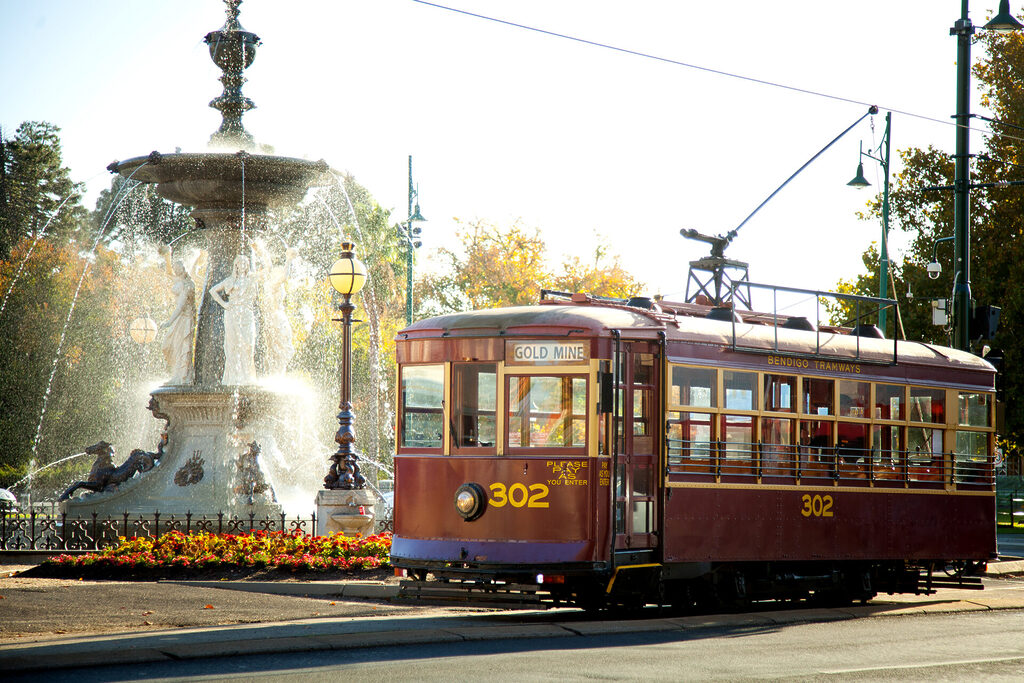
x=595, y=453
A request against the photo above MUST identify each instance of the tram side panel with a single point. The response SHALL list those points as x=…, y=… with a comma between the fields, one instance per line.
x=539, y=511
x=722, y=524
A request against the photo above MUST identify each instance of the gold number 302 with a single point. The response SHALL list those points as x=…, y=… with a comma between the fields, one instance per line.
x=819, y=506
x=518, y=495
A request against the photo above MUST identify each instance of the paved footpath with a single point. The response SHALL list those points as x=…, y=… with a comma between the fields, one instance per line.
x=59, y=623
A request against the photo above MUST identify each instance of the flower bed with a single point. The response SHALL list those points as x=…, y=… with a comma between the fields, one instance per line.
x=204, y=551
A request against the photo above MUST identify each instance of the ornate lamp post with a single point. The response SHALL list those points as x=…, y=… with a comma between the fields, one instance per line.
x=348, y=275
x=860, y=181
x=410, y=234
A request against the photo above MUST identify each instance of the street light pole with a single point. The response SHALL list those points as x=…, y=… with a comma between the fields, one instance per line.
x=410, y=234
x=860, y=181
x=408, y=251
x=963, y=29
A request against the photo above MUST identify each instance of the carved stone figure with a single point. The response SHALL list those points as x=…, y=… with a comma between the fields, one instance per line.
x=104, y=476
x=237, y=295
x=251, y=481
x=191, y=472
x=277, y=330
x=177, y=345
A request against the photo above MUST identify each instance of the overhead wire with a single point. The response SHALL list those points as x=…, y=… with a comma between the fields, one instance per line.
x=706, y=69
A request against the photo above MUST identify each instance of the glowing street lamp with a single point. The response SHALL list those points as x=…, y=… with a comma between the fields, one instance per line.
x=143, y=330
x=347, y=276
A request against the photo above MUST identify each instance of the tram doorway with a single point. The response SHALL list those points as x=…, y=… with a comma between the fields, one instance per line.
x=636, y=454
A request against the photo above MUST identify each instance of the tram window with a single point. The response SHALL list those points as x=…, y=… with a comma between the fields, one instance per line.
x=780, y=393
x=816, y=454
x=643, y=479
x=643, y=368
x=852, y=448
x=642, y=516
x=738, y=435
x=974, y=409
x=924, y=454
x=817, y=396
x=885, y=450
x=740, y=390
x=777, y=452
x=547, y=411
x=927, y=405
x=689, y=441
x=854, y=398
x=476, y=393
x=422, y=406
x=694, y=387
x=971, y=457
x=641, y=411
x=889, y=399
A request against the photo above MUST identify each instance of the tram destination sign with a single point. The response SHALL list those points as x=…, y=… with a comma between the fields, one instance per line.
x=546, y=352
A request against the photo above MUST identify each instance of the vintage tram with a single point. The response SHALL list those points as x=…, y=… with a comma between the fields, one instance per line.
x=597, y=452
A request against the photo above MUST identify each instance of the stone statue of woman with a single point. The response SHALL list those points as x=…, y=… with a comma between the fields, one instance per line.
x=277, y=329
x=177, y=345
x=237, y=295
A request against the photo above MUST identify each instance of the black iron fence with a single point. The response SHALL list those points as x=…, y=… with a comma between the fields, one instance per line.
x=59, y=532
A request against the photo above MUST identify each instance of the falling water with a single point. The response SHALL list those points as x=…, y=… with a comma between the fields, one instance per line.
x=33, y=472
x=71, y=311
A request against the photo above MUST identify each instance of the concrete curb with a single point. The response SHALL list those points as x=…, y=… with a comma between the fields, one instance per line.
x=341, y=589
x=343, y=634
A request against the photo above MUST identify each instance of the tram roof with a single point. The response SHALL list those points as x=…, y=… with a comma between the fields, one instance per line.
x=600, y=319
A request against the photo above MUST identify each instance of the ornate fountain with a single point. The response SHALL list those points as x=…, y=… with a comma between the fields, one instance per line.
x=218, y=418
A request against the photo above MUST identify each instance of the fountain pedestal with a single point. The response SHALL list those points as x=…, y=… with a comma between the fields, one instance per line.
x=347, y=512
x=208, y=436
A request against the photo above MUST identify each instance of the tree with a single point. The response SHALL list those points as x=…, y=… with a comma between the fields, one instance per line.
x=38, y=193
x=996, y=227
x=508, y=267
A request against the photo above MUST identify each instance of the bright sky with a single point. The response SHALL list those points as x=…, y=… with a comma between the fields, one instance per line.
x=505, y=123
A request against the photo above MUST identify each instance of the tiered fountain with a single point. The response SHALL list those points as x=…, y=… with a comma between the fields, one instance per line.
x=218, y=418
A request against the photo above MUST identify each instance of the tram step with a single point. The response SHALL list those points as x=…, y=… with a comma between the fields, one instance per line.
x=504, y=596
x=962, y=582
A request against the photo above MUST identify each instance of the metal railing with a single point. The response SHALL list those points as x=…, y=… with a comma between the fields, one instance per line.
x=773, y=463
x=41, y=531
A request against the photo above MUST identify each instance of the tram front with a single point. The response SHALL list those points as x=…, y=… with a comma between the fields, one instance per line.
x=501, y=471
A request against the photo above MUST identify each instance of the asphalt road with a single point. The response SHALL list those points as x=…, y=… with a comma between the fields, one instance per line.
x=949, y=646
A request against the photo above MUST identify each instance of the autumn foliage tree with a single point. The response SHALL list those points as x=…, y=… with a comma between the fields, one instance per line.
x=509, y=267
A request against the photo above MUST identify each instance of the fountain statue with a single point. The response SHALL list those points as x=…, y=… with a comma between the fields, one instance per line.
x=219, y=417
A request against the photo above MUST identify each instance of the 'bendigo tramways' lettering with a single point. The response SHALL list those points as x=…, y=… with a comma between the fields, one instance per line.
x=825, y=365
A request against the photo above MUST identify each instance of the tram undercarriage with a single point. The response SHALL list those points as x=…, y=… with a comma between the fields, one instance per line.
x=691, y=587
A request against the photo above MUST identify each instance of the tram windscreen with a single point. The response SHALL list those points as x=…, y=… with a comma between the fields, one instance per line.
x=422, y=406
x=547, y=411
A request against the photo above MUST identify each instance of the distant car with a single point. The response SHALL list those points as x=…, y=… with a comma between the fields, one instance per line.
x=9, y=502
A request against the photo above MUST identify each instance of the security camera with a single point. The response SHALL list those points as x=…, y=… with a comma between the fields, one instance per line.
x=934, y=269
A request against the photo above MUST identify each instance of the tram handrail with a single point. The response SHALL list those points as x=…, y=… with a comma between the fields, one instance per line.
x=882, y=304
x=755, y=461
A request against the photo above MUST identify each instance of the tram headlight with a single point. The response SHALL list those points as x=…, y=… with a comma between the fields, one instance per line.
x=470, y=501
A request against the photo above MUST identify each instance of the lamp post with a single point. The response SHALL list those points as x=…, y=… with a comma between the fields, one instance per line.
x=410, y=234
x=963, y=29
x=860, y=181
x=348, y=275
